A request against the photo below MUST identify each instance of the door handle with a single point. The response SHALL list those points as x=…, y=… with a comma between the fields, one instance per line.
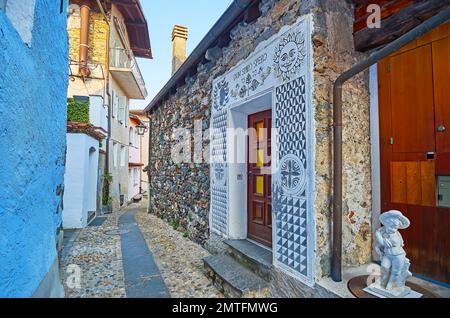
x=441, y=129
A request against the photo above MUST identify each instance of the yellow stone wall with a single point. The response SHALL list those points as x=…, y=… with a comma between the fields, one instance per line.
x=98, y=52
x=98, y=37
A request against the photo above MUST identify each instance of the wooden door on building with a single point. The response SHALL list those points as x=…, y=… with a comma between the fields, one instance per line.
x=260, y=178
x=414, y=96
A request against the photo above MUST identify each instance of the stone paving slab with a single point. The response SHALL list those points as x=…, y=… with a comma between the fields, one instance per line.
x=142, y=276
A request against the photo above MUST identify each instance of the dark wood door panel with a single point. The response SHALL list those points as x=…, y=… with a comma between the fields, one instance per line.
x=259, y=178
x=441, y=66
x=414, y=101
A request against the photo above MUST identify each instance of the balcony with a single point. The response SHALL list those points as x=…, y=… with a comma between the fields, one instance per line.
x=125, y=70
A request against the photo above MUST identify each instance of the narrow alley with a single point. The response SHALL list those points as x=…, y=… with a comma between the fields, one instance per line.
x=169, y=265
x=226, y=149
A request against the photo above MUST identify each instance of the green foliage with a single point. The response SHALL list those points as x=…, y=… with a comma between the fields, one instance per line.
x=77, y=111
x=175, y=224
x=107, y=180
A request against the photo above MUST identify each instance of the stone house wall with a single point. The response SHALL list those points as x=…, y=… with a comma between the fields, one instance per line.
x=334, y=53
x=181, y=192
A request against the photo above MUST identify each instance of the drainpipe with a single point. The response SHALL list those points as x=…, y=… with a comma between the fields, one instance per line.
x=444, y=16
x=84, y=38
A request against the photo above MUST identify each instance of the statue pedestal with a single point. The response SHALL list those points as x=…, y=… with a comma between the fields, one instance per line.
x=380, y=292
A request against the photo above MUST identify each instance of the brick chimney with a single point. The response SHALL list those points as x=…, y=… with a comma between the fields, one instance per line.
x=179, y=39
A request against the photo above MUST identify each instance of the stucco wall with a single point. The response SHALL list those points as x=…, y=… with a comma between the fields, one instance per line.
x=119, y=135
x=133, y=190
x=80, y=196
x=134, y=154
x=33, y=108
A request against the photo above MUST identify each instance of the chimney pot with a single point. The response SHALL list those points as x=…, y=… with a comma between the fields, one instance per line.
x=179, y=39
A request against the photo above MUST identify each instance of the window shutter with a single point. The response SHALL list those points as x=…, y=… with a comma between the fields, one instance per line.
x=115, y=102
x=122, y=108
x=118, y=107
x=115, y=154
x=127, y=114
x=123, y=156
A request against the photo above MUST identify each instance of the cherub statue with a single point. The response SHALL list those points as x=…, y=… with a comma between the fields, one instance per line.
x=389, y=245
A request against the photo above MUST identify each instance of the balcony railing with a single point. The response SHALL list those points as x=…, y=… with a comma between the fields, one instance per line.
x=124, y=59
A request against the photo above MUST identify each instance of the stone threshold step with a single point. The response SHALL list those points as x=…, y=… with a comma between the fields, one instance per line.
x=252, y=256
x=234, y=280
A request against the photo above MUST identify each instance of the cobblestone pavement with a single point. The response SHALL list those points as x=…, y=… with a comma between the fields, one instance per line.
x=99, y=259
x=178, y=258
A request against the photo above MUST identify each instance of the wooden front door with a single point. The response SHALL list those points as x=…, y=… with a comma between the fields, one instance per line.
x=260, y=178
x=414, y=96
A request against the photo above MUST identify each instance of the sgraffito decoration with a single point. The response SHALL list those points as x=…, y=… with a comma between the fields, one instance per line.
x=219, y=167
x=292, y=175
x=281, y=65
x=221, y=95
x=292, y=200
x=290, y=55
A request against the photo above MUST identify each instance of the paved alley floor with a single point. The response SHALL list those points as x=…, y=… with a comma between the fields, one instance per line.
x=142, y=276
x=91, y=267
x=179, y=259
x=132, y=255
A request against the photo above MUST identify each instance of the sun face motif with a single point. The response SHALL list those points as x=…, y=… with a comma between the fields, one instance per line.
x=290, y=55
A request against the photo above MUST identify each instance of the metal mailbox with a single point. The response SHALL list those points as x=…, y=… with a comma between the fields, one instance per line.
x=444, y=191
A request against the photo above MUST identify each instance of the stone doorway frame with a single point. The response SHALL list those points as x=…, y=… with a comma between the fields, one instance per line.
x=237, y=173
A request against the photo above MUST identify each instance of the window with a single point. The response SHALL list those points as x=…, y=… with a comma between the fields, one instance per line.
x=123, y=156
x=2, y=4
x=136, y=177
x=115, y=154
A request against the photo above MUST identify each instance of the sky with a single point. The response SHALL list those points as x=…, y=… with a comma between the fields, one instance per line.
x=198, y=15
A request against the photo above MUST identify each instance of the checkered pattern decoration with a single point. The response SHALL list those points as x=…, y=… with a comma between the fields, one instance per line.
x=219, y=173
x=291, y=180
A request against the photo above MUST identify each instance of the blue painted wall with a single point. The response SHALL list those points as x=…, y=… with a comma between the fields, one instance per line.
x=33, y=94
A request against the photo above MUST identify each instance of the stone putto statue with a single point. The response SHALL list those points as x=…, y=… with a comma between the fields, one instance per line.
x=394, y=263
